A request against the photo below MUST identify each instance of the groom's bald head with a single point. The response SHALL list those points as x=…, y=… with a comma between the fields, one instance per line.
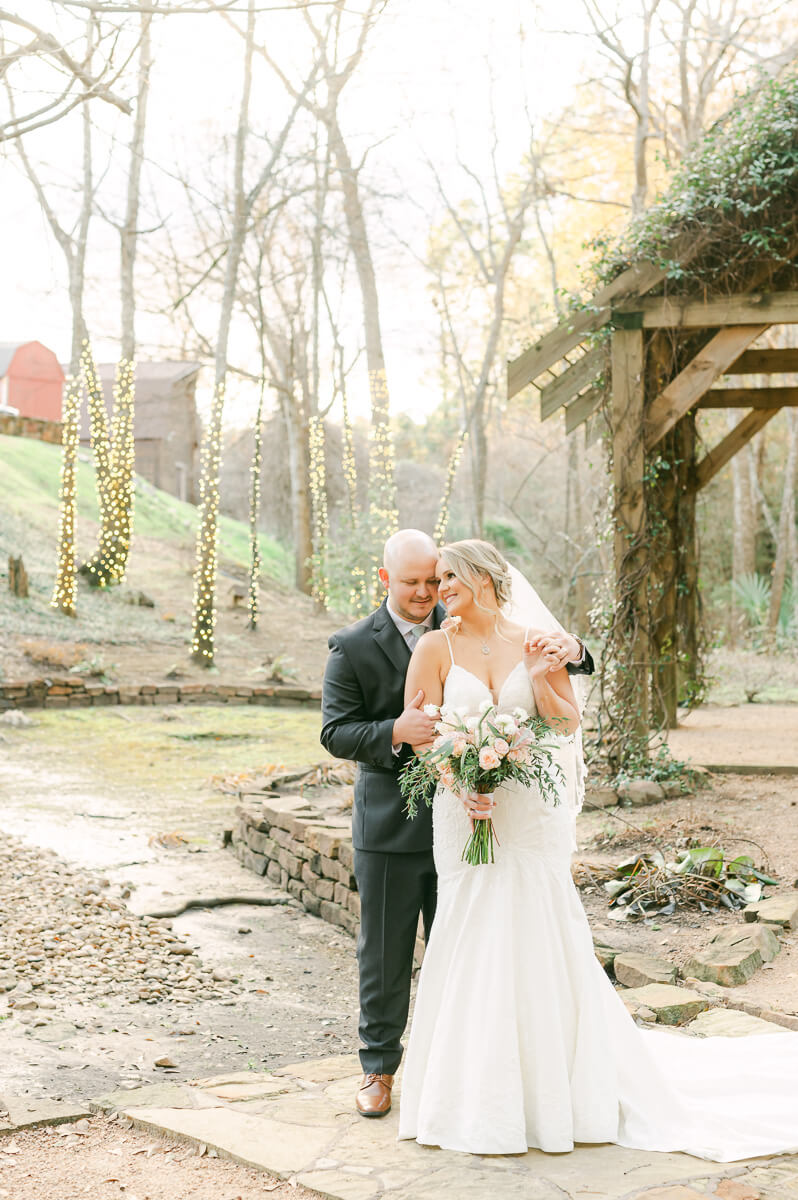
x=408, y=573
x=407, y=543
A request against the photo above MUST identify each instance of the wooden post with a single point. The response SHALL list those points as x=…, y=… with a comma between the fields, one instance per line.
x=17, y=576
x=631, y=561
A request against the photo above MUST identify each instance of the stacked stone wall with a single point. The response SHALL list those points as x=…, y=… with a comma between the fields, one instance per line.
x=30, y=427
x=301, y=850
x=70, y=692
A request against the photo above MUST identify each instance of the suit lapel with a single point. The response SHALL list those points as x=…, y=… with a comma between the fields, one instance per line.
x=438, y=616
x=390, y=640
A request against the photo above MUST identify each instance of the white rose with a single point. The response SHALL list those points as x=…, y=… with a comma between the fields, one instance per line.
x=431, y=710
x=520, y=714
x=485, y=706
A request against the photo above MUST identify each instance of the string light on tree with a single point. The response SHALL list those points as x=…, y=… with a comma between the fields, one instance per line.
x=123, y=456
x=442, y=524
x=114, y=455
x=383, y=514
x=349, y=465
x=318, y=496
x=254, y=512
x=204, y=621
x=66, y=579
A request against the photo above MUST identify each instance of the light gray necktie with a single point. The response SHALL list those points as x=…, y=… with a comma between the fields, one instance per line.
x=414, y=636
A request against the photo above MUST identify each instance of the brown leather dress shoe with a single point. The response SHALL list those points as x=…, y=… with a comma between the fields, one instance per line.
x=374, y=1096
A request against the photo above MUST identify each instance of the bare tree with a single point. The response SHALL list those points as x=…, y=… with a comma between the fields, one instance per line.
x=242, y=202
x=486, y=230
x=72, y=240
x=706, y=46
x=72, y=81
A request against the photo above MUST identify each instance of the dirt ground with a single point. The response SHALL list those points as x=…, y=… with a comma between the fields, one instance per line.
x=756, y=815
x=104, y=1159
x=100, y=787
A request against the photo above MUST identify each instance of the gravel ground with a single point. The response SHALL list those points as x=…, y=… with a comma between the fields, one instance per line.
x=105, y=1159
x=64, y=937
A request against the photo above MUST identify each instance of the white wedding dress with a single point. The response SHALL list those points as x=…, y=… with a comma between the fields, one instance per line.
x=519, y=1039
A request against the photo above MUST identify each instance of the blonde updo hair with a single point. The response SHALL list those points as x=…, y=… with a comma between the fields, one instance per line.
x=472, y=560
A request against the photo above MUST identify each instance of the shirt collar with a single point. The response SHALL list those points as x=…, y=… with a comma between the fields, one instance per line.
x=404, y=626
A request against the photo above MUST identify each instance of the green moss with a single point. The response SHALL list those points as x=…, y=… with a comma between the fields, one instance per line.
x=153, y=748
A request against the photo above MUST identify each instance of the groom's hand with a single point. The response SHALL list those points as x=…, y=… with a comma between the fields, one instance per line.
x=414, y=726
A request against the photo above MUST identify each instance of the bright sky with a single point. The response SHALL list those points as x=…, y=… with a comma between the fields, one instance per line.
x=426, y=62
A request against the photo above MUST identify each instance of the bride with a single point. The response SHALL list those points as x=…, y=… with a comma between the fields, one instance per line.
x=519, y=1039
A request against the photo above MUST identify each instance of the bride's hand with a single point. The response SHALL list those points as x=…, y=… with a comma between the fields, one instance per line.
x=536, y=660
x=478, y=805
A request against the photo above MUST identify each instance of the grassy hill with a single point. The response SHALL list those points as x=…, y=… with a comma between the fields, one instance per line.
x=29, y=479
x=139, y=642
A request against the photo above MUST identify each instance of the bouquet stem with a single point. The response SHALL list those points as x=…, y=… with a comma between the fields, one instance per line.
x=479, y=847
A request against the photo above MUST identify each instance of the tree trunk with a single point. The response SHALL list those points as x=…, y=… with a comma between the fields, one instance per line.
x=204, y=618
x=128, y=234
x=297, y=427
x=786, y=523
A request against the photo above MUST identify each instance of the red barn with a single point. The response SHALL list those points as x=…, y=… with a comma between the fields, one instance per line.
x=31, y=380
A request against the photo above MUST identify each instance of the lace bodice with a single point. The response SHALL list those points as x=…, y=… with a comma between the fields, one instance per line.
x=523, y=822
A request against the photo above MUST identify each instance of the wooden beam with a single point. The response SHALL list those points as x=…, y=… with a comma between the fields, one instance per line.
x=781, y=360
x=629, y=520
x=764, y=397
x=583, y=407
x=687, y=388
x=716, y=459
x=571, y=330
x=566, y=386
x=772, y=308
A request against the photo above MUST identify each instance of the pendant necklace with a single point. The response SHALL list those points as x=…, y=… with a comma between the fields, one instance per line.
x=485, y=646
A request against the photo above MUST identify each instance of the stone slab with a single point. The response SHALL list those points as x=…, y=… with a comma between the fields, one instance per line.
x=636, y=970
x=733, y=956
x=324, y=1070
x=25, y=1112
x=255, y=1141
x=672, y=1005
x=777, y=910
x=729, y=1022
x=166, y=1095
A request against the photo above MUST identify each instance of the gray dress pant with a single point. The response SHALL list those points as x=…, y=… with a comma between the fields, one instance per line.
x=394, y=889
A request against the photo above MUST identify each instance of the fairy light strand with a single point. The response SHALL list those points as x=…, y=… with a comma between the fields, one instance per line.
x=204, y=615
x=318, y=496
x=114, y=459
x=442, y=524
x=383, y=513
x=65, y=589
x=255, y=471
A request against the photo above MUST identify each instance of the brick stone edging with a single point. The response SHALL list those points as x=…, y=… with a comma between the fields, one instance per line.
x=76, y=693
x=31, y=427
x=301, y=850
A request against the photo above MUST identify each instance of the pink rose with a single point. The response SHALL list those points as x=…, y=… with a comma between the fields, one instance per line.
x=458, y=745
x=501, y=747
x=488, y=758
x=516, y=755
x=447, y=778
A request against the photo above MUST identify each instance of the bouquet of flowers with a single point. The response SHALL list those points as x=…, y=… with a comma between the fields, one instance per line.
x=476, y=754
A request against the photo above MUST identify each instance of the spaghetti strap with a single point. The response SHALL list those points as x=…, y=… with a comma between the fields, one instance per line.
x=445, y=633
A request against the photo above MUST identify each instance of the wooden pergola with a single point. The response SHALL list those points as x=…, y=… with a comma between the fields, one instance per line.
x=648, y=363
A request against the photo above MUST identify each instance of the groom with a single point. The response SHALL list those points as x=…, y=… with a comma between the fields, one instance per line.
x=364, y=718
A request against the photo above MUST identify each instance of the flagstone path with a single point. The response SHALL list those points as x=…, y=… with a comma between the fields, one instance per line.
x=298, y=1123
